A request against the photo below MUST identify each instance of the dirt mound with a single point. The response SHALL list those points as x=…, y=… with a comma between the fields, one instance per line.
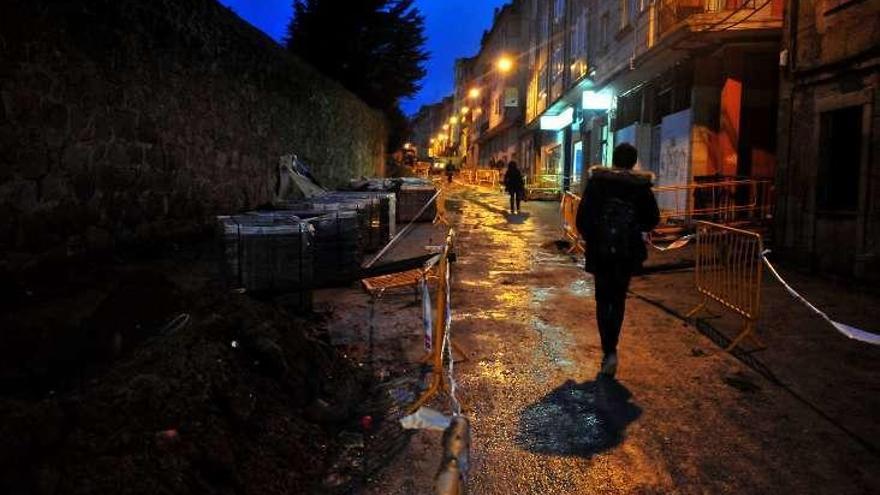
x=236, y=397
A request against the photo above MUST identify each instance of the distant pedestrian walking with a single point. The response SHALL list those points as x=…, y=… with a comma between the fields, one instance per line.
x=515, y=186
x=617, y=207
x=450, y=171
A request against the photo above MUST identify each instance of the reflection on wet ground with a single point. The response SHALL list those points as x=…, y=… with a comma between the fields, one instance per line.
x=578, y=419
x=527, y=304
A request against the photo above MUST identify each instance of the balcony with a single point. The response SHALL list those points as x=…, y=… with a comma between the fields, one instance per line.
x=717, y=15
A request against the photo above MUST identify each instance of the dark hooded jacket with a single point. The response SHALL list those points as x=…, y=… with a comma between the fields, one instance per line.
x=513, y=181
x=627, y=185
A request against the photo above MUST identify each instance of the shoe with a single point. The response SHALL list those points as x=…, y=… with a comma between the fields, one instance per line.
x=609, y=365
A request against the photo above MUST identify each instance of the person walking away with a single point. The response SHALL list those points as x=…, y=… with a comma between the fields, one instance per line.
x=617, y=207
x=450, y=171
x=515, y=186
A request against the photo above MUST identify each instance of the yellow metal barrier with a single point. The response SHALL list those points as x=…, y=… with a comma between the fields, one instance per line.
x=440, y=216
x=434, y=358
x=545, y=186
x=727, y=201
x=487, y=177
x=568, y=210
x=729, y=271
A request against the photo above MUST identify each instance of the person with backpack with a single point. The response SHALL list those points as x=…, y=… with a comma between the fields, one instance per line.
x=515, y=185
x=617, y=207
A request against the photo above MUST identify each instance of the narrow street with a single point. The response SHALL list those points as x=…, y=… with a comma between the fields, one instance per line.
x=679, y=420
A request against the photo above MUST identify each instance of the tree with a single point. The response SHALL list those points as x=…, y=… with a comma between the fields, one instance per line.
x=375, y=48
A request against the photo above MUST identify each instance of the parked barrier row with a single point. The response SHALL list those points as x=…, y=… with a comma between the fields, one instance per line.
x=729, y=271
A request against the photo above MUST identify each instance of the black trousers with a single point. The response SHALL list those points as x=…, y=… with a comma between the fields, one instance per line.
x=611, y=283
x=515, y=200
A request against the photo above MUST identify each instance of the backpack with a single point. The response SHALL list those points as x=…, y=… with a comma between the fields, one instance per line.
x=617, y=230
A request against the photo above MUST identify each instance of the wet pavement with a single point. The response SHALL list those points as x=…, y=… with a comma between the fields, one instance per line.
x=676, y=421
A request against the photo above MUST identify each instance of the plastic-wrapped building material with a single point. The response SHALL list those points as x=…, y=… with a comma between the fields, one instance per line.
x=338, y=253
x=268, y=254
x=366, y=210
x=411, y=198
x=381, y=209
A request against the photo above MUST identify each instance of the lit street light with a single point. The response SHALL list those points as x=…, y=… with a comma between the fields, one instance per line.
x=505, y=64
x=474, y=93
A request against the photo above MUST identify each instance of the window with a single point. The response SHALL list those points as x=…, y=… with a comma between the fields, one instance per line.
x=578, y=45
x=545, y=25
x=557, y=64
x=558, y=11
x=629, y=9
x=603, y=31
x=578, y=165
x=542, y=88
x=553, y=160
x=840, y=159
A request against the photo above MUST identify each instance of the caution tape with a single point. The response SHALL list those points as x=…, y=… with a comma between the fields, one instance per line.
x=427, y=317
x=847, y=330
x=447, y=347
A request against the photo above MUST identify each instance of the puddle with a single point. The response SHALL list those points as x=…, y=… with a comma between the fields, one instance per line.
x=541, y=294
x=583, y=287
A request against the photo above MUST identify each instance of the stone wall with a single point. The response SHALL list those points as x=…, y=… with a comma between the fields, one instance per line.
x=124, y=120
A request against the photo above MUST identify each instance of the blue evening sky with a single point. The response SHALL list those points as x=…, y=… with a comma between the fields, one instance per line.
x=453, y=28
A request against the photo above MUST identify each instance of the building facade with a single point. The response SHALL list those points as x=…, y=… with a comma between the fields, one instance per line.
x=677, y=78
x=828, y=182
x=495, y=90
x=431, y=133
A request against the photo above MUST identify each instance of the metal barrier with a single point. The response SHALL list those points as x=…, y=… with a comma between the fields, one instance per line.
x=727, y=201
x=487, y=177
x=568, y=210
x=441, y=322
x=440, y=216
x=729, y=271
x=546, y=185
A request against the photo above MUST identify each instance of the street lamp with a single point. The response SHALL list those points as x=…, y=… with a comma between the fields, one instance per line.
x=445, y=127
x=453, y=120
x=504, y=64
x=474, y=93
x=465, y=110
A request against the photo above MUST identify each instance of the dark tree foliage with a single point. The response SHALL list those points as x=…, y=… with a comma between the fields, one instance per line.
x=375, y=48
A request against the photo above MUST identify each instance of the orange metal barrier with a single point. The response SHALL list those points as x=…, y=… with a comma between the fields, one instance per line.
x=568, y=210
x=729, y=271
x=438, y=380
x=467, y=175
x=727, y=202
